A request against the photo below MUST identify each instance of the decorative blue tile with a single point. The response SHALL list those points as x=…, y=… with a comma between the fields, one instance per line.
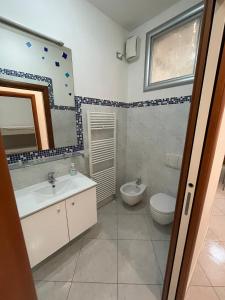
x=57, y=63
x=64, y=55
x=78, y=114
x=45, y=49
x=67, y=74
x=41, y=79
x=29, y=45
x=26, y=156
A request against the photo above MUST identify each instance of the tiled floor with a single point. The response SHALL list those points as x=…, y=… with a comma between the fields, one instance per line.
x=122, y=257
x=208, y=281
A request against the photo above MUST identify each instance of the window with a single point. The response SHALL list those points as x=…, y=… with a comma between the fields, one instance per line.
x=171, y=51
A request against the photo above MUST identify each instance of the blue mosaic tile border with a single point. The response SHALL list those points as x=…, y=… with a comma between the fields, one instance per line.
x=93, y=101
x=42, y=154
x=164, y=101
x=26, y=156
x=40, y=79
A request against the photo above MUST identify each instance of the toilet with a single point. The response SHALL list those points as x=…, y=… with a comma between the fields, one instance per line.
x=162, y=207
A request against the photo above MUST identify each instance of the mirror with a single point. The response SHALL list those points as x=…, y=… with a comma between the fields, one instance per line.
x=42, y=73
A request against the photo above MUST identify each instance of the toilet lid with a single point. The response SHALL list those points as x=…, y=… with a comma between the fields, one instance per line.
x=163, y=203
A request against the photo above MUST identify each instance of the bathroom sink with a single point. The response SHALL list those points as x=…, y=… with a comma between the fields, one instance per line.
x=59, y=188
x=41, y=195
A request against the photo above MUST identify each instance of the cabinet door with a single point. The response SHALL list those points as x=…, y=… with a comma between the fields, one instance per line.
x=81, y=212
x=45, y=232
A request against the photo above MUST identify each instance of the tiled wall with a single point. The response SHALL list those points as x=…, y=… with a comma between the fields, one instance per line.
x=151, y=134
x=146, y=131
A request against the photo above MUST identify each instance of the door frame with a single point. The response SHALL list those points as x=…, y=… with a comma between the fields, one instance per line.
x=39, y=88
x=16, y=282
x=206, y=28
x=210, y=142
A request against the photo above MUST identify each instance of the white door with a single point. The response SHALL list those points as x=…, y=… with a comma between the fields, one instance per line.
x=45, y=232
x=205, y=102
x=81, y=212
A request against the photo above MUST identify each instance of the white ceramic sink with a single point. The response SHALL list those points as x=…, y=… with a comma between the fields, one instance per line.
x=39, y=196
x=59, y=188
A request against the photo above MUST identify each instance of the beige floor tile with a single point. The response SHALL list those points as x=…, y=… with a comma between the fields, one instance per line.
x=142, y=292
x=201, y=293
x=217, y=225
x=220, y=292
x=199, y=277
x=211, y=235
x=212, y=261
x=216, y=211
x=219, y=203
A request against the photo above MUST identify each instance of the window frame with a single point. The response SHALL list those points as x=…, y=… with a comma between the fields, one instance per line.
x=193, y=13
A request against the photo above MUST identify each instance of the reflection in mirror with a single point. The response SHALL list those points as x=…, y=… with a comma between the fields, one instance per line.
x=19, y=132
x=25, y=120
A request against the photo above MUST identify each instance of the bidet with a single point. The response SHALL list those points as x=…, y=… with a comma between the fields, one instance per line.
x=132, y=193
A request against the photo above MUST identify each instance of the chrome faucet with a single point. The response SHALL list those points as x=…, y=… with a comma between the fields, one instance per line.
x=138, y=181
x=51, y=178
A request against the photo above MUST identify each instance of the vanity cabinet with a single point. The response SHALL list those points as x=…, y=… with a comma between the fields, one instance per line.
x=49, y=229
x=45, y=232
x=81, y=212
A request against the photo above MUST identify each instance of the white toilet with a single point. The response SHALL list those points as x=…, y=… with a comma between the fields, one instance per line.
x=162, y=207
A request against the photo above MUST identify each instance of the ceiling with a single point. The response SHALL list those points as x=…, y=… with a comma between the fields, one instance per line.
x=132, y=13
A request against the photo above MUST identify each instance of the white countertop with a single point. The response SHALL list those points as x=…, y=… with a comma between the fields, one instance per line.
x=39, y=196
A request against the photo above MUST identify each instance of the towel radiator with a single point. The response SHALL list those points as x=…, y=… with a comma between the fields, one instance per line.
x=102, y=152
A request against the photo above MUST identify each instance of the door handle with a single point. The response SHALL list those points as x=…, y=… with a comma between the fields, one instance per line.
x=187, y=203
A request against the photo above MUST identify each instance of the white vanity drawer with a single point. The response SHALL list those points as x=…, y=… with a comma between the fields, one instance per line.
x=45, y=232
x=81, y=212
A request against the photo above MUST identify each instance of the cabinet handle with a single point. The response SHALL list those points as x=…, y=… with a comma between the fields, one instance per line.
x=73, y=203
x=58, y=210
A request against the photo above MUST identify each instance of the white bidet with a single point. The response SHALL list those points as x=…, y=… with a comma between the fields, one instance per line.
x=132, y=193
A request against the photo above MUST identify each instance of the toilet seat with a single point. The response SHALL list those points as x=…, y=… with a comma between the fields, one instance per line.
x=163, y=203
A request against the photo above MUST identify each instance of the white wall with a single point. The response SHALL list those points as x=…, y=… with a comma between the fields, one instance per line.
x=136, y=69
x=92, y=36
x=15, y=55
